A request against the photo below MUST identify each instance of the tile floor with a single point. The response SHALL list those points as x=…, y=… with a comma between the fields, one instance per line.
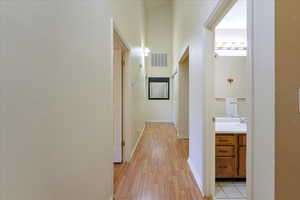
x=231, y=191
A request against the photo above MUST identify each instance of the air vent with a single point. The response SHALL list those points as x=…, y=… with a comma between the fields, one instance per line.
x=159, y=59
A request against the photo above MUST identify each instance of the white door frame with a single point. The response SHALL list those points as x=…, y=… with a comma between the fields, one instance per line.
x=215, y=17
x=126, y=125
x=185, y=54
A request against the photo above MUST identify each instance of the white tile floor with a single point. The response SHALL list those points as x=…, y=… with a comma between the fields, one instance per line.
x=231, y=191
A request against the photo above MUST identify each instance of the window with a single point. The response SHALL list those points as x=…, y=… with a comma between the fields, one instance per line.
x=158, y=88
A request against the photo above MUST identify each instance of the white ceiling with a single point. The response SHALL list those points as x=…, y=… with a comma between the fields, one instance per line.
x=156, y=3
x=236, y=17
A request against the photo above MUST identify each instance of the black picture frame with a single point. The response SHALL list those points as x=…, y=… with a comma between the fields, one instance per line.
x=158, y=80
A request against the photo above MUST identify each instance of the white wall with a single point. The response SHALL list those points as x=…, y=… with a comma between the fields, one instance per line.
x=189, y=17
x=159, y=39
x=263, y=154
x=231, y=35
x=231, y=67
x=56, y=97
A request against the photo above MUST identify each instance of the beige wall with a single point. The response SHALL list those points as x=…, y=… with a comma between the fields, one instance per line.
x=159, y=39
x=231, y=67
x=56, y=96
x=287, y=112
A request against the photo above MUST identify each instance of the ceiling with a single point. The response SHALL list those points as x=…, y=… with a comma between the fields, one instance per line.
x=236, y=18
x=156, y=3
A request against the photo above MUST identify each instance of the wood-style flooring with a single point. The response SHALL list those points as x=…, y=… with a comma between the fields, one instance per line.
x=158, y=169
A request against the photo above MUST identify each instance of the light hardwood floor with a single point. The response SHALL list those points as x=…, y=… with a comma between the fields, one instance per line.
x=158, y=169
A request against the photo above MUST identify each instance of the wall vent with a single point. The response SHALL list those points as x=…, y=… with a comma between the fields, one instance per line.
x=159, y=59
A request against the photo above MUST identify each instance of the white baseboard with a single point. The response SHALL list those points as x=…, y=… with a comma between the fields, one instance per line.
x=137, y=143
x=159, y=121
x=182, y=137
x=196, y=176
x=179, y=136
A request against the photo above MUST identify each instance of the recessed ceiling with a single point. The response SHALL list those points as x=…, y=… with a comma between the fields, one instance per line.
x=236, y=18
x=156, y=3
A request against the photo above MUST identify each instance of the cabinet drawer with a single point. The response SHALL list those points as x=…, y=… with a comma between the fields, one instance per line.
x=243, y=140
x=225, y=151
x=225, y=140
x=225, y=168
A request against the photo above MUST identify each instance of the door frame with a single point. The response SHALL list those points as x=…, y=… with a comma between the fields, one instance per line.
x=221, y=9
x=126, y=126
x=185, y=55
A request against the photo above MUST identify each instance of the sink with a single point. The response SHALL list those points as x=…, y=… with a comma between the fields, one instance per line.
x=230, y=125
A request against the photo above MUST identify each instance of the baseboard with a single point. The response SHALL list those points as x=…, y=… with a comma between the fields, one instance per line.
x=159, y=121
x=196, y=176
x=179, y=136
x=182, y=137
x=137, y=143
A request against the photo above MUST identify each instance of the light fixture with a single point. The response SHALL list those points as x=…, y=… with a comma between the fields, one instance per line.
x=146, y=51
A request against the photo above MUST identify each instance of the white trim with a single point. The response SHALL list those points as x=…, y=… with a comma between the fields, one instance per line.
x=159, y=121
x=117, y=30
x=249, y=154
x=127, y=87
x=185, y=50
x=196, y=176
x=178, y=135
x=137, y=143
x=183, y=137
x=219, y=13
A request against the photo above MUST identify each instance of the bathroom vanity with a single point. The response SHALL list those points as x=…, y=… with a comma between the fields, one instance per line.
x=231, y=140
x=230, y=155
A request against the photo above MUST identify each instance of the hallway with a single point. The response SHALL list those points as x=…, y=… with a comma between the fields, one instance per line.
x=158, y=169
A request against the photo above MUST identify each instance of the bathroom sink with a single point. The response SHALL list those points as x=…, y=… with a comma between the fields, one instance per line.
x=230, y=125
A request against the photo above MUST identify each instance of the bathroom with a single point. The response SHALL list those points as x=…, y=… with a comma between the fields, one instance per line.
x=231, y=104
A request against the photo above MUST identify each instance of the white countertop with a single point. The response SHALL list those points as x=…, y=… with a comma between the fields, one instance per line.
x=230, y=125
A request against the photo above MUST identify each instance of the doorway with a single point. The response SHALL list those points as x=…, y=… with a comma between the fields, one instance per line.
x=183, y=106
x=230, y=102
x=119, y=92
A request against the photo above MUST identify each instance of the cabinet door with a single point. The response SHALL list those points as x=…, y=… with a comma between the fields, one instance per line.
x=242, y=161
x=243, y=140
x=225, y=151
x=225, y=167
x=225, y=140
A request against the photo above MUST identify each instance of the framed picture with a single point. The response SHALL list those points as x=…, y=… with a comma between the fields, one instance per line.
x=159, y=88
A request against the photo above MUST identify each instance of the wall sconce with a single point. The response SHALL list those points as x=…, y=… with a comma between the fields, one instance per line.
x=230, y=80
x=147, y=51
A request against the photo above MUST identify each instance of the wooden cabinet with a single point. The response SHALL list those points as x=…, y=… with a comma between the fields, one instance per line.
x=231, y=155
x=225, y=167
x=242, y=162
